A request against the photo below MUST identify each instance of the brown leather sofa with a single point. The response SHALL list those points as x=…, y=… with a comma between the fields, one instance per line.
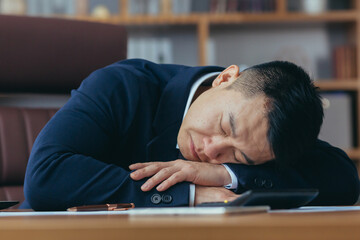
x=42, y=59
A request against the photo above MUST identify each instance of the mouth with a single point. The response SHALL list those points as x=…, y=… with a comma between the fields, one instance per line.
x=192, y=148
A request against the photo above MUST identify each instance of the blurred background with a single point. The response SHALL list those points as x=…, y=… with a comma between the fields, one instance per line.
x=319, y=35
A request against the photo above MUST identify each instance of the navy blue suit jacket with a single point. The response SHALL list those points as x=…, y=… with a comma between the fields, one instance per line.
x=131, y=112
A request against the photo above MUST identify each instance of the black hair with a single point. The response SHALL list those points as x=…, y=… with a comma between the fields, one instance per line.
x=293, y=106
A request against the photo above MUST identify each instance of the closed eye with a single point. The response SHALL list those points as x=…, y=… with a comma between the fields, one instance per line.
x=247, y=159
x=236, y=160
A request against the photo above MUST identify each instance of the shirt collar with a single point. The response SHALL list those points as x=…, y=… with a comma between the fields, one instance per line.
x=204, y=80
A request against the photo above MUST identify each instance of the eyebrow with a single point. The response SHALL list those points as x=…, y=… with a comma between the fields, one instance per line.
x=232, y=124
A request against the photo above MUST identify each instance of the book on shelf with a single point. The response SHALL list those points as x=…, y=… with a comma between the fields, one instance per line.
x=82, y=7
x=181, y=7
x=36, y=7
x=153, y=7
x=316, y=6
x=245, y=6
x=12, y=7
x=211, y=52
x=103, y=8
x=144, y=7
x=232, y=6
x=338, y=119
x=253, y=6
x=344, y=62
x=137, y=7
x=200, y=6
x=66, y=7
x=218, y=6
x=155, y=49
x=51, y=7
x=97, y=8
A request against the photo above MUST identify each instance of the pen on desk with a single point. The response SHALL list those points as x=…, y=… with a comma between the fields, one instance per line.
x=103, y=207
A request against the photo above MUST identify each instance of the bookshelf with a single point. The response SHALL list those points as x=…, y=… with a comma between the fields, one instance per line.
x=203, y=25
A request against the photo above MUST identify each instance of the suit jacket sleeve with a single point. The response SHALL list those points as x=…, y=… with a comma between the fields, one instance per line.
x=69, y=163
x=324, y=167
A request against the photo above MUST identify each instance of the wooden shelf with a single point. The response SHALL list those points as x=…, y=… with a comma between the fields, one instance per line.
x=146, y=20
x=229, y=18
x=333, y=84
x=338, y=16
x=353, y=153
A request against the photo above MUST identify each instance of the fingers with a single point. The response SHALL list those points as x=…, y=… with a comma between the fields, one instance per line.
x=157, y=178
x=172, y=180
x=145, y=170
x=166, y=174
x=159, y=164
x=138, y=165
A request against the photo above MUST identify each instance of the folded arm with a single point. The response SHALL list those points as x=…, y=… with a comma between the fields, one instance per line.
x=77, y=158
x=324, y=167
x=209, y=178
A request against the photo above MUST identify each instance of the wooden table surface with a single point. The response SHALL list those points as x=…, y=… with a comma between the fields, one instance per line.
x=335, y=225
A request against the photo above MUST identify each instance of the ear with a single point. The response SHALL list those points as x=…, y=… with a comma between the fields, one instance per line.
x=229, y=75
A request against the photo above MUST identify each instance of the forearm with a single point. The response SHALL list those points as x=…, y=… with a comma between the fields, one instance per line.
x=165, y=174
x=64, y=180
x=325, y=168
x=266, y=176
x=67, y=180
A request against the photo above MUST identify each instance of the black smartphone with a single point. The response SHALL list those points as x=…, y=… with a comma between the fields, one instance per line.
x=7, y=204
x=276, y=199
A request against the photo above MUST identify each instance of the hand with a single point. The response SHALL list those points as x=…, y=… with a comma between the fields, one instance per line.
x=168, y=174
x=213, y=194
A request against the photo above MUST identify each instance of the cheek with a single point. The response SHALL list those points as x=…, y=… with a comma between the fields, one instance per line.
x=182, y=136
x=181, y=141
x=202, y=121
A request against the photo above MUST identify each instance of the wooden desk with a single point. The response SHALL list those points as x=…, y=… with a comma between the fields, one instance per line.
x=277, y=226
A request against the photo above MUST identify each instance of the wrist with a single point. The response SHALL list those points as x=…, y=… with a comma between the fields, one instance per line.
x=192, y=195
x=225, y=175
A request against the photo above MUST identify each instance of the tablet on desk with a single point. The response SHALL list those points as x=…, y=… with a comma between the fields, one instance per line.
x=276, y=199
x=251, y=201
x=183, y=211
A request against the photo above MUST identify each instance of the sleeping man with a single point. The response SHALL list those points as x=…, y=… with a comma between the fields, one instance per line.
x=164, y=135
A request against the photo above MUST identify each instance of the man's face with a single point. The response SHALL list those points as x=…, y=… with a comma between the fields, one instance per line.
x=223, y=126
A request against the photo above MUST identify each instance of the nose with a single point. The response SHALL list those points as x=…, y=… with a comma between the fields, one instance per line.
x=215, y=147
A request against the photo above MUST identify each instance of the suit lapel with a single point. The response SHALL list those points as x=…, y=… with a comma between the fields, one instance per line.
x=163, y=146
x=170, y=112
